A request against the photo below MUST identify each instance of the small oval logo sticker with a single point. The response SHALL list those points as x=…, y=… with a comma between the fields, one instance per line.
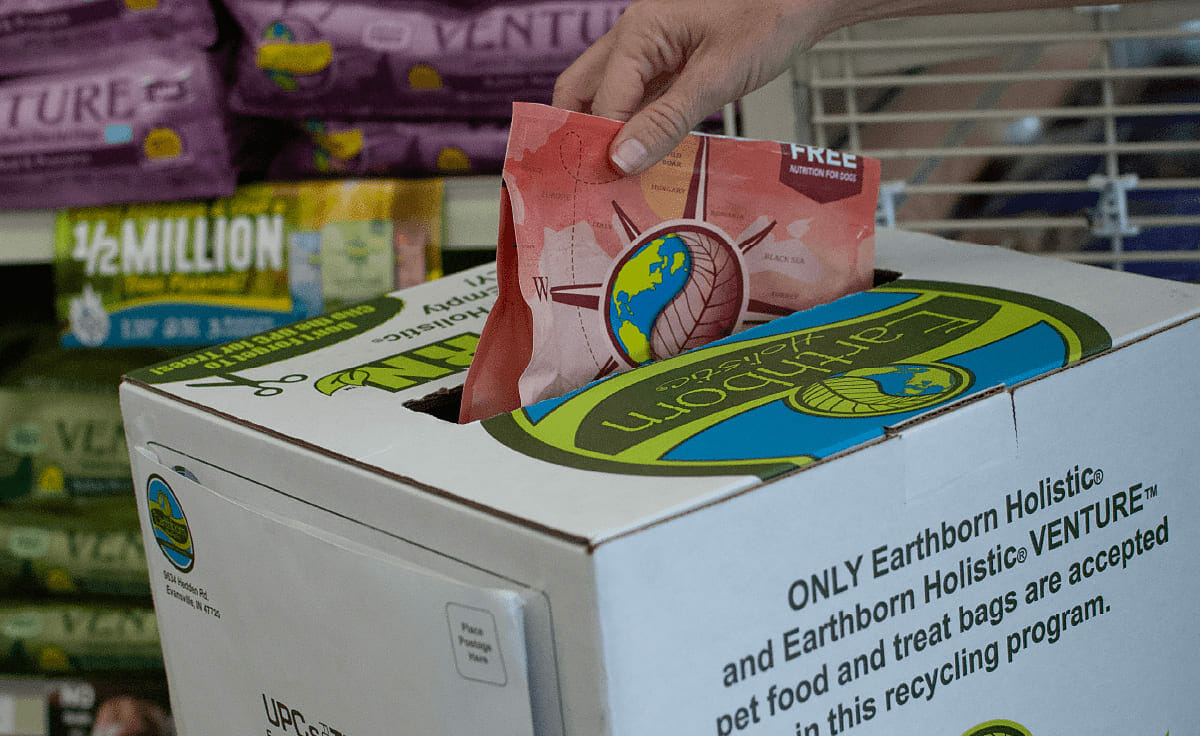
x=171, y=530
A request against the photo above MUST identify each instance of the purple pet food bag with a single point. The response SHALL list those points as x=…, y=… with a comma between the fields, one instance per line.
x=45, y=35
x=382, y=148
x=145, y=125
x=371, y=58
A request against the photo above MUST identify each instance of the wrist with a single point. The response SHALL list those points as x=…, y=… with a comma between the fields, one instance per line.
x=811, y=20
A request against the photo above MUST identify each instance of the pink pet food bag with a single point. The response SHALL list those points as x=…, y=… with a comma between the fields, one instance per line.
x=601, y=272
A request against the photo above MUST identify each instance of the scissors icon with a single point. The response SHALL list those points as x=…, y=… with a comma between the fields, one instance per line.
x=260, y=387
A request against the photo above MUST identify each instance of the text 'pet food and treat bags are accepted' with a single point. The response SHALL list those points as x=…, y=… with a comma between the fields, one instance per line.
x=601, y=272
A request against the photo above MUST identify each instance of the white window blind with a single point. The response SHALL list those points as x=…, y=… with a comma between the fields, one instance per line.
x=1069, y=132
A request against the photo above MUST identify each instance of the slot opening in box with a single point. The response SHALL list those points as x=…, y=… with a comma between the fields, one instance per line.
x=441, y=404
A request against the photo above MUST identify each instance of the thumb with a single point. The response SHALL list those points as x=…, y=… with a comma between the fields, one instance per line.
x=660, y=126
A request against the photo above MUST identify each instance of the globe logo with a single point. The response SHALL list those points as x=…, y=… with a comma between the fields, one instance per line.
x=677, y=287
x=892, y=389
x=648, y=279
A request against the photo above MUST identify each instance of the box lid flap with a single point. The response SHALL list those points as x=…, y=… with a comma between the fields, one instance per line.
x=641, y=446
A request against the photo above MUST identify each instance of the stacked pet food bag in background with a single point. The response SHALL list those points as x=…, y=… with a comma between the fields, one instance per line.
x=115, y=113
x=100, y=101
x=79, y=646
x=403, y=89
x=109, y=100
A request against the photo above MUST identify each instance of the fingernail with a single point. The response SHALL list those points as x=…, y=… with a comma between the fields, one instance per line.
x=629, y=155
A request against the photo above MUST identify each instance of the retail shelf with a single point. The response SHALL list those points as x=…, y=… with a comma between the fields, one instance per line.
x=26, y=237
x=472, y=215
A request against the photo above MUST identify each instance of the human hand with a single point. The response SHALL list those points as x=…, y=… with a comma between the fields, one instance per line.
x=668, y=64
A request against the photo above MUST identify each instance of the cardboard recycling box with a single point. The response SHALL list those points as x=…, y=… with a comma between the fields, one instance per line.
x=962, y=502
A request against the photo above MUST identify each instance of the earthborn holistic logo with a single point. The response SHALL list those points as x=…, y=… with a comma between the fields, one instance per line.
x=171, y=530
x=806, y=386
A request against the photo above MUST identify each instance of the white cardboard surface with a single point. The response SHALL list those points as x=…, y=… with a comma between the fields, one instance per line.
x=450, y=656
x=386, y=436
x=652, y=604
x=750, y=563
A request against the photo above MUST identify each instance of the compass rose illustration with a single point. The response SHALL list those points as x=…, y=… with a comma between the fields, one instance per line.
x=676, y=285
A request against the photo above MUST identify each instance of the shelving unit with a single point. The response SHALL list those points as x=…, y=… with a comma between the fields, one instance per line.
x=26, y=237
x=943, y=109
x=1068, y=132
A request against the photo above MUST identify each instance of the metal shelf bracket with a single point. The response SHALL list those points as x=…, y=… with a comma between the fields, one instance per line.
x=1110, y=217
x=885, y=209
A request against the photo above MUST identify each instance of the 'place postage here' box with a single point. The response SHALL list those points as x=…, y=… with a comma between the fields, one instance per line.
x=961, y=502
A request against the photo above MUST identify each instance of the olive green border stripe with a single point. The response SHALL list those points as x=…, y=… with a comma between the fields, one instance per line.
x=504, y=429
x=1093, y=337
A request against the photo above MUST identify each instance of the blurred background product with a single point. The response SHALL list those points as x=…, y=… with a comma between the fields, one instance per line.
x=41, y=35
x=55, y=553
x=61, y=445
x=74, y=638
x=378, y=59
x=131, y=123
x=78, y=641
x=86, y=706
x=201, y=272
x=390, y=148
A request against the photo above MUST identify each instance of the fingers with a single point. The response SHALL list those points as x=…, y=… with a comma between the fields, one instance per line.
x=633, y=67
x=640, y=54
x=657, y=129
x=645, y=81
x=667, y=64
x=576, y=86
